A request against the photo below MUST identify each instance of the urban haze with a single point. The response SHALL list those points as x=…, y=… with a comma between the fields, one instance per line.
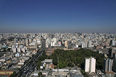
x=57, y=38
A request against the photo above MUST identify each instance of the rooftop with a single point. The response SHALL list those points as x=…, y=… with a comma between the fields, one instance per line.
x=48, y=60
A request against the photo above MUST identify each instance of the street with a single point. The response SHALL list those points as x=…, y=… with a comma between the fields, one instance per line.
x=27, y=69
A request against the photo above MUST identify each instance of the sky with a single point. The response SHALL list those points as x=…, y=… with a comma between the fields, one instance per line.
x=31, y=16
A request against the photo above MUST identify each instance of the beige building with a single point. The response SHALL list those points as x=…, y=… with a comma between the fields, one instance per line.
x=6, y=72
x=66, y=44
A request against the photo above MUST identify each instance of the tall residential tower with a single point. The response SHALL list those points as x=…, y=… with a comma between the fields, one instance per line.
x=90, y=64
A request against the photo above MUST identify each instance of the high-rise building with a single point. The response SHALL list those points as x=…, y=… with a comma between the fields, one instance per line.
x=90, y=64
x=111, y=53
x=113, y=42
x=43, y=43
x=114, y=55
x=23, y=50
x=36, y=45
x=14, y=50
x=19, y=42
x=90, y=44
x=66, y=43
x=84, y=44
x=23, y=42
x=30, y=40
x=107, y=66
x=19, y=49
x=27, y=42
x=0, y=46
x=15, y=40
x=114, y=65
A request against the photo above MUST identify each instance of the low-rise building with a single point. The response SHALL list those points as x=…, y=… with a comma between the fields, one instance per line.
x=49, y=51
x=2, y=60
x=47, y=63
x=109, y=74
x=75, y=73
x=6, y=72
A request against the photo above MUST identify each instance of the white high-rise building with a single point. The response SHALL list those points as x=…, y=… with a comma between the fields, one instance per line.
x=19, y=49
x=90, y=44
x=87, y=64
x=93, y=64
x=14, y=50
x=27, y=42
x=113, y=42
x=84, y=44
x=90, y=64
x=23, y=49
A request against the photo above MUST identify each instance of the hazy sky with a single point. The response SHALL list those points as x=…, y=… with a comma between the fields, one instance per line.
x=58, y=16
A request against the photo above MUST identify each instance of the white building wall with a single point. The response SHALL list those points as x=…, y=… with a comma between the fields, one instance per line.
x=110, y=65
x=106, y=65
x=21, y=46
x=92, y=64
x=16, y=46
x=23, y=49
x=18, y=49
x=84, y=45
x=87, y=64
x=13, y=46
x=113, y=43
x=14, y=50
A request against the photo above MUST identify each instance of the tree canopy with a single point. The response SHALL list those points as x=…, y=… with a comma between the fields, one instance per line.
x=75, y=58
x=72, y=58
x=13, y=75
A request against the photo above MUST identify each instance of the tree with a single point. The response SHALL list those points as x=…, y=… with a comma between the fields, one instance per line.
x=61, y=65
x=70, y=64
x=13, y=75
x=84, y=73
x=54, y=60
x=72, y=57
x=38, y=64
x=39, y=74
x=76, y=57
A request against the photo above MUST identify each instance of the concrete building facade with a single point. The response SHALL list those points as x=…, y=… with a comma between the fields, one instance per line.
x=90, y=64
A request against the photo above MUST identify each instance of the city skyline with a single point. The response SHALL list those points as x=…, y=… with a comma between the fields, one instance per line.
x=57, y=16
